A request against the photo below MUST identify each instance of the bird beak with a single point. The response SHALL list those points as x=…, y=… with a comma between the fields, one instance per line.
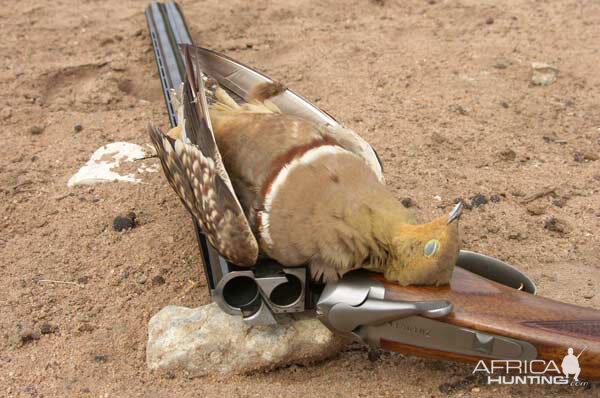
x=455, y=213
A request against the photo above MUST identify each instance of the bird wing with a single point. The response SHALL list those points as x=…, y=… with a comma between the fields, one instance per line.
x=241, y=80
x=351, y=141
x=195, y=170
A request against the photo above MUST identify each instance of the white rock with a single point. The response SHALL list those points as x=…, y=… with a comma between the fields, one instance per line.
x=206, y=340
x=543, y=74
x=98, y=169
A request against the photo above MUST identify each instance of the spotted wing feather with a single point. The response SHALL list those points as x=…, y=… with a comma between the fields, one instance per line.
x=197, y=174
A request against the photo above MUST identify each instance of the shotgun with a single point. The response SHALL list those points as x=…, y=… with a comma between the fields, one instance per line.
x=489, y=312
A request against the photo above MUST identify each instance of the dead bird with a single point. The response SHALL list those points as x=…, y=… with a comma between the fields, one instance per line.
x=259, y=180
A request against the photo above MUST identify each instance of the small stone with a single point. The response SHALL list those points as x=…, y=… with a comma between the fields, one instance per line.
x=125, y=275
x=493, y=229
x=504, y=104
x=496, y=198
x=46, y=328
x=77, y=128
x=517, y=236
x=543, y=74
x=121, y=223
x=585, y=156
x=36, y=130
x=536, y=209
x=407, y=202
x=83, y=280
x=169, y=376
x=478, y=200
x=475, y=389
x=559, y=202
x=101, y=358
x=588, y=296
x=489, y=21
x=158, y=280
x=374, y=354
x=458, y=109
x=142, y=279
x=508, y=155
x=500, y=65
x=445, y=388
x=555, y=225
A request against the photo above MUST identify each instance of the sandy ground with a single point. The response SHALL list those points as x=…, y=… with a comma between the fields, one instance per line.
x=440, y=88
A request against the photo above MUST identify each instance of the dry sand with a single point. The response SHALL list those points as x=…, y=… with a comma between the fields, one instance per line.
x=442, y=90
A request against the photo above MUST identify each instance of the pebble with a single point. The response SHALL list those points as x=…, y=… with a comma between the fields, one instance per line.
x=559, y=202
x=121, y=223
x=508, y=155
x=46, y=328
x=478, y=200
x=489, y=21
x=158, y=280
x=101, y=358
x=585, y=156
x=78, y=127
x=517, y=236
x=504, y=104
x=143, y=279
x=496, y=198
x=374, y=354
x=555, y=225
x=408, y=202
x=445, y=388
x=83, y=280
x=543, y=74
x=36, y=130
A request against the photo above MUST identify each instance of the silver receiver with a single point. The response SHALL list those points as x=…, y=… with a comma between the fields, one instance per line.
x=355, y=307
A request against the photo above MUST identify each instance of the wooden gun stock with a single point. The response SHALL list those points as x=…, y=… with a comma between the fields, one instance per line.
x=486, y=306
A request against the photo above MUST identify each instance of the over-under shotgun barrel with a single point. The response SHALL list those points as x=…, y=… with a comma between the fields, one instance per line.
x=486, y=306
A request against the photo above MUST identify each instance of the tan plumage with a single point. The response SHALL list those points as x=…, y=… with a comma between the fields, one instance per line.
x=302, y=193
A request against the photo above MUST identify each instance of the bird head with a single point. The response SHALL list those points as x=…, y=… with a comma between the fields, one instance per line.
x=424, y=254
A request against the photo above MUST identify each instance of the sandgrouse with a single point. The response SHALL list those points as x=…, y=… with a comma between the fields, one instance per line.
x=259, y=180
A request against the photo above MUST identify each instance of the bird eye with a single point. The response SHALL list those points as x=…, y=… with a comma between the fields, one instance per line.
x=431, y=247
